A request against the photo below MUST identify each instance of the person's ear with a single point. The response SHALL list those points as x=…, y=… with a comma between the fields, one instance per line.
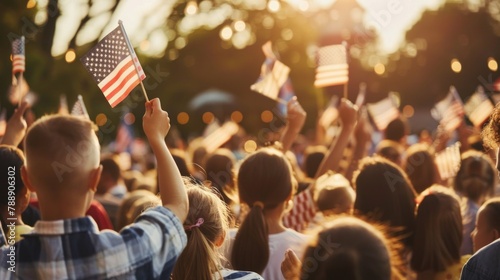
x=95, y=176
x=220, y=240
x=26, y=180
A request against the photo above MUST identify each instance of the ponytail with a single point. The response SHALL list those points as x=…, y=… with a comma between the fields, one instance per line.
x=197, y=260
x=251, y=245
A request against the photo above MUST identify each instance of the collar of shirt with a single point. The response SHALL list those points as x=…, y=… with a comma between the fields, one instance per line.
x=58, y=227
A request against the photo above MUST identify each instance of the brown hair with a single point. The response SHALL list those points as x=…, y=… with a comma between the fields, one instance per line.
x=219, y=168
x=491, y=208
x=200, y=259
x=420, y=167
x=349, y=248
x=476, y=176
x=125, y=214
x=438, y=233
x=61, y=150
x=384, y=194
x=264, y=177
x=491, y=132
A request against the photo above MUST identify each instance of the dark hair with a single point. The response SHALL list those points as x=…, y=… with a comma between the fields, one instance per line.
x=350, y=249
x=396, y=130
x=438, y=233
x=491, y=208
x=476, y=176
x=111, y=167
x=11, y=160
x=265, y=177
x=420, y=167
x=181, y=162
x=384, y=193
x=219, y=167
x=312, y=159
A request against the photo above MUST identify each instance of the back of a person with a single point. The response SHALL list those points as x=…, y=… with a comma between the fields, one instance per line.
x=278, y=244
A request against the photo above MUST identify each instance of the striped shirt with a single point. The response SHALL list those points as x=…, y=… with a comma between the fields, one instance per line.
x=75, y=249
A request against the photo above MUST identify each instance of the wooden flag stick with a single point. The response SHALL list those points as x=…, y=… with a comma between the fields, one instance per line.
x=20, y=89
x=144, y=91
x=345, y=91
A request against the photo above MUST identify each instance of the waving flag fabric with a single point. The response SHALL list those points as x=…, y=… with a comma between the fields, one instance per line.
x=114, y=66
x=332, y=66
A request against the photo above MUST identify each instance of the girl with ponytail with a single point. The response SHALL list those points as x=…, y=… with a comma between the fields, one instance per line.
x=206, y=226
x=266, y=186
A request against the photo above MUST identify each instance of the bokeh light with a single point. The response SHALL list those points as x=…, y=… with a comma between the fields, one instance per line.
x=191, y=8
x=273, y=6
x=207, y=117
x=266, y=116
x=129, y=118
x=183, y=118
x=408, y=111
x=379, y=68
x=101, y=119
x=239, y=25
x=456, y=66
x=492, y=64
x=70, y=56
x=226, y=33
x=250, y=146
x=31, y=4
x=236, y=116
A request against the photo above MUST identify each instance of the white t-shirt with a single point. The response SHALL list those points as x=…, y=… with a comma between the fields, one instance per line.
x=278, y=244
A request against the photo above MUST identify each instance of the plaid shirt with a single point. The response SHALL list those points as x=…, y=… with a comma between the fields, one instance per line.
x=75, y=249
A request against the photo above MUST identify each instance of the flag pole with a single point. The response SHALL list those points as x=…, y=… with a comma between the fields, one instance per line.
x=20, y=89
x=132, y=52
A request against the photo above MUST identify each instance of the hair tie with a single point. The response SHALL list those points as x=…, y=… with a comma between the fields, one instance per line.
x=199, y=222
x=258, y=204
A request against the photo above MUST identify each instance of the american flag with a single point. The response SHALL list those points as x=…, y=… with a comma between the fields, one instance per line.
x=219, y=136
x=18, y=59
x=383, y=112
x=124, y=137
x=332, y=66
x=273, y=75
x=114, y=66
x=79, y=108
x=449, y=111
x=448, y=161
x=302, y=213
x=479, y=107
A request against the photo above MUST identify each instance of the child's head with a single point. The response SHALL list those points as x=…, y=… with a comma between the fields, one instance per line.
x=476, y=177
x=390, y=150
x=264, y=184
x=384, y=193
x=420, y=167
x=206, y=226
x=111, y=174
x=313, y=156
x=334, y=194
x=350, y=248
x=438, y=233
x=11, y=161
x=62, y=159
x=487, y=224
x=219, y=167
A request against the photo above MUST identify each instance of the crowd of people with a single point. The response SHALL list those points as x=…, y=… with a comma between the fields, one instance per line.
x=339, y=207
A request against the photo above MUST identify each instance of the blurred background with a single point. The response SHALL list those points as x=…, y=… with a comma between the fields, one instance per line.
x=201, y=57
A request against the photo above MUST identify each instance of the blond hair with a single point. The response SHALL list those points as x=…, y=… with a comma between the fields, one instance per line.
x=200, y=259
x=61, y=150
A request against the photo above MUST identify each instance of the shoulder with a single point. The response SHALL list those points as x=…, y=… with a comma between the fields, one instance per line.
x=228, y=274
x=485, y=264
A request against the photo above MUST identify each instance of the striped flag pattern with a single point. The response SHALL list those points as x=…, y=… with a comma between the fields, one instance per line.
x=479, y=107
x=18, y=58
x=114, y=66
x=274, y=74
x=383, y=112
x=302, y=213
x=448, y=161
x=79, y=108
x=449, y=111
x=333, y=68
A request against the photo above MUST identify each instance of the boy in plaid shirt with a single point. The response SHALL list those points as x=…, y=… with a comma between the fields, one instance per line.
x=62, y=167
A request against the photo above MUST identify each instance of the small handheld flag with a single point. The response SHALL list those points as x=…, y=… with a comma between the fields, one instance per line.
x=479, y=107
x=114, y=66
x=79, y=108
x=383, y=112
x=18, y=58
x=449, y=111
x=333, y=68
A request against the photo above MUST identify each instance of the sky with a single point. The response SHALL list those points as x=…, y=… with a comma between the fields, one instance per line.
x=391, y=18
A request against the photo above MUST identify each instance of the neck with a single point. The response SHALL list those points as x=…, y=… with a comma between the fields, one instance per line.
x=274, y=219
x=61, y=208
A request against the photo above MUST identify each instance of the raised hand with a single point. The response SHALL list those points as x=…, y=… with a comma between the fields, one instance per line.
x=155, y=121
x=16, y=126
